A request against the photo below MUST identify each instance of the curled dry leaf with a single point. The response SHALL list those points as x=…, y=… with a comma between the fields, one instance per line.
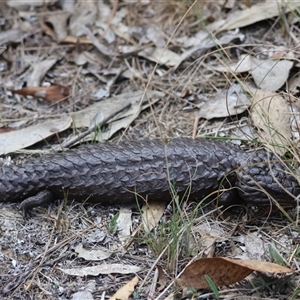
x=49, y=93
x=224, y=271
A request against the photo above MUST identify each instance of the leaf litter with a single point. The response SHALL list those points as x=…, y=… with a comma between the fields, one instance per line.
x=68, y=65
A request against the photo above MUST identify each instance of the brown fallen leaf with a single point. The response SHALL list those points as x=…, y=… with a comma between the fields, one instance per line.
x=54, y=92
x=162, y=278
x=224, y=271
x=125, y=291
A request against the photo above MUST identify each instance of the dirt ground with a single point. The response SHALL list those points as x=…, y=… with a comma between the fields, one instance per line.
x=90, y=71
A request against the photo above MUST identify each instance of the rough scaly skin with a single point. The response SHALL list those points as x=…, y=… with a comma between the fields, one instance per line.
x=110, y=173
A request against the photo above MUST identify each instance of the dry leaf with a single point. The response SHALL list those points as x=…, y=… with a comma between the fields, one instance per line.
x=22, y=5
x=106, y=32
x=102, y=269
x=100, y=46
x=59, y=24
x=67, y=5
x=40, y=69
x=95, y=254
x=25, y=137
x=49, y=93
x=256, y=13
x=12, y=35
x=294, y=85
x=161, y=56
x=210, y=233
x=269, y=74
x=124, y=224
x=231, y=102
x=208, y=42
x=108, y=106
x=125, y=291
x=244, y=64
x=208, y=244
x=86, y=295
x=252, y=245
x=85, y=14
x=224, y=271
x=78, y=40
x=6, y=129
x=152, y=213
x=162, y=278
x=90, y=57
x=148, y=33
x=271, y=115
